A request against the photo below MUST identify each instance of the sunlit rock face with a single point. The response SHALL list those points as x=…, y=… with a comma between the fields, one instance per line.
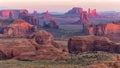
x=80, y=44
x=113, y=31
x=110, y=30
x=18, y=28
x=15, y=13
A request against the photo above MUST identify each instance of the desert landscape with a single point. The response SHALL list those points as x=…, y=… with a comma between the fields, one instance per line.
x=77, y=38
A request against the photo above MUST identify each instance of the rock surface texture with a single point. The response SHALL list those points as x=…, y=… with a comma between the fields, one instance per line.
x=79, y=44
x=17, y=28
x=39, y=46
x=110, y=30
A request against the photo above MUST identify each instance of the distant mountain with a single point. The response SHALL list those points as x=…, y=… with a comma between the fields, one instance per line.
x=53, y=13
x=109, y=12
x=75, y=10
x=56, y=13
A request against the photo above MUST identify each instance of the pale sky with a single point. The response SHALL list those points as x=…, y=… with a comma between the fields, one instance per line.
x=60, y=5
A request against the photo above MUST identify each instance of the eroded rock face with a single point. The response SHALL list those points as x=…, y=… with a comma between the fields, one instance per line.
x=19, y=28
x=42, y=37
x=110, y=30
x=39, y=47
x=49, y=22
x=34, y=20
x=79, y=44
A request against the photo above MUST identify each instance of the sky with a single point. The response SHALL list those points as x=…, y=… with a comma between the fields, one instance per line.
x=60, y=5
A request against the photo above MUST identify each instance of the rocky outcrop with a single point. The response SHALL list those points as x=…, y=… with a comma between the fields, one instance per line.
x=34, y=20
x=12, y=13
x=39, y=46
x=43, y=37
x=49, y=22
x=111, y=30
x=79, y=44
x=18, y=28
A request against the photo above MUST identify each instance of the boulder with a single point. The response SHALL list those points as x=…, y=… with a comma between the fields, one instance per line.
x=79, y=44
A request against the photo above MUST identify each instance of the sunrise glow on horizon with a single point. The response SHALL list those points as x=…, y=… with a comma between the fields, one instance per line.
x=60, y=5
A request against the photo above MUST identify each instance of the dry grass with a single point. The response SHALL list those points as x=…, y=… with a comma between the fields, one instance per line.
x=74, y=61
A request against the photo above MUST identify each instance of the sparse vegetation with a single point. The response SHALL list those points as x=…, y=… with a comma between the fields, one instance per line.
x=74, y=61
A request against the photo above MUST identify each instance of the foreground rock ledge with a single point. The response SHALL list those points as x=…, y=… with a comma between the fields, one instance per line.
x=78, y=44
x=41, y=46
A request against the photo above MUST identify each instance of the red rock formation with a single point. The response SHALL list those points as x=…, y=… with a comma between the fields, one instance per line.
x=93, y=12
x=15, y=13
x=5, y=13
x=34, y=20
x=85, y=22
x=19, y=28
x=49, y=22
x=47, y=16
x=43, y=37
x=39, y=47
x=75, y=10
x=91, y=43
x=110, y=30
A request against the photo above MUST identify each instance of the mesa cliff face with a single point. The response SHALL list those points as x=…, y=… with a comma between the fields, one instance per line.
x=110, y=30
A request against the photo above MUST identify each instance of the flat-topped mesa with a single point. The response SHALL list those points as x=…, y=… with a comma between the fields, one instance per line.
x=49, y=21
x=80, y=44
x=15, y=13
x=19, y=28
x=110, y=30
x=75, y=10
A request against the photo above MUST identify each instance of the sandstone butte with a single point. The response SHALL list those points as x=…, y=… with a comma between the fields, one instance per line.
x=80, y=44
